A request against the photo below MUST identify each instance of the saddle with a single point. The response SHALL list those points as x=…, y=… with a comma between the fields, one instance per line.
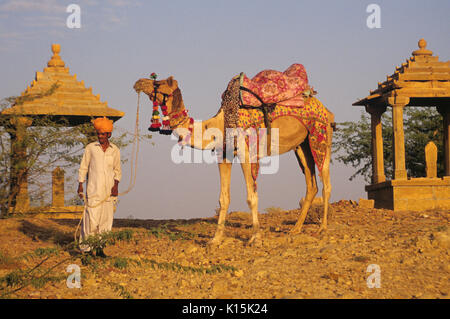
x=276, y=94
x=271, y=86
x=263, y=92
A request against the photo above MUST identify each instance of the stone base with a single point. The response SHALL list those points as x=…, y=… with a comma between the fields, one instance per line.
x=66, y=212
x=417, y=194
x=366, y=203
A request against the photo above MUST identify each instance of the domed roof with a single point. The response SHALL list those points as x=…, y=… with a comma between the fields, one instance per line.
x=57, y=93
x=422, y=76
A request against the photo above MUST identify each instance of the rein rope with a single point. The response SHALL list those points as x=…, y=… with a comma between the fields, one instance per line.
x=265, y=108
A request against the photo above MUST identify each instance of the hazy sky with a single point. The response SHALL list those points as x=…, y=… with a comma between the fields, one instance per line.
x=203, y=44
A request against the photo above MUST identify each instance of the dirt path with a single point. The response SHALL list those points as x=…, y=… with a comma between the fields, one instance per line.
x=169, y=259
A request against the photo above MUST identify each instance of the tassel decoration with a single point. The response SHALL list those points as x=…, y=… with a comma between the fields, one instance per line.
x=154, y=124
x=165, y=120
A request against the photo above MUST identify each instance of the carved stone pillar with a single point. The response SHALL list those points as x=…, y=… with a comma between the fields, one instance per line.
x=446, y=123
x=398, y=103
x=58, y=187
x=378, y=175
x=431, y=160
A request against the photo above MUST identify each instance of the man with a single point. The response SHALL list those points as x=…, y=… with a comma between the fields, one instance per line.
x=101, y=163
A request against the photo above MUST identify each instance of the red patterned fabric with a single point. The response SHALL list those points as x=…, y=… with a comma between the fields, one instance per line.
x=313, y=116
x=293, y=97
x=283, y=88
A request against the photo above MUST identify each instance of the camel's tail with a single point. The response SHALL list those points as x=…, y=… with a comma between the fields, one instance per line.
x=333, y=125
x=331, y=119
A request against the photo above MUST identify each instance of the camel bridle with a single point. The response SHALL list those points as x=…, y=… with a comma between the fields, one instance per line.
x=170, y=120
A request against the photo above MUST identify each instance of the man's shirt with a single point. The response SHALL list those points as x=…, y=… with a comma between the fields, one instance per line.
x=102, y=168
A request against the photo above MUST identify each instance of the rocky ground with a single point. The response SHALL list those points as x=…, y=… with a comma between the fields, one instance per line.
x=170, y=258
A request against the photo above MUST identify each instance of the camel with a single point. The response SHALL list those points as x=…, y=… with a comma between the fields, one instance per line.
x=292, y=137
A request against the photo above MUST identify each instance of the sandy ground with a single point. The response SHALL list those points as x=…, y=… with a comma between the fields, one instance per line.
x=408, y=251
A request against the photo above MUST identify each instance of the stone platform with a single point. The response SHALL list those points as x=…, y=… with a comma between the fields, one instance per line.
x=65, y=212
x=416, y=194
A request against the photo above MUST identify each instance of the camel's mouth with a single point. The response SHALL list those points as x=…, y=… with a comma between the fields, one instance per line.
x=147, y=86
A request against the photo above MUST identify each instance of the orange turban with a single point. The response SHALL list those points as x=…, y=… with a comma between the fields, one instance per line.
x=103, y=125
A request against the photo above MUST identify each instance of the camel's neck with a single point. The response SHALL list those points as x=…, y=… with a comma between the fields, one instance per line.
x=199, y=134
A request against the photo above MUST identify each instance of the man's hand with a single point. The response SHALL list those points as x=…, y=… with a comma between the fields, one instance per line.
x=80, y=190
x=115, y=189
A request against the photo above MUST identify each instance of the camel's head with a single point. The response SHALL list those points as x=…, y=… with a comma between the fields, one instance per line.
x=166, y=94
x=156, y=90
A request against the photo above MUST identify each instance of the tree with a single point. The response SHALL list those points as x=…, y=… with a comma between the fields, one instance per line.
x=352, y=142
x=48, y=144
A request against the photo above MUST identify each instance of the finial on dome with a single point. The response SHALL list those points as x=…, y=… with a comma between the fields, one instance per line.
x=56, y=60
x=56, y=48
x=422, y=43
x=422, y=48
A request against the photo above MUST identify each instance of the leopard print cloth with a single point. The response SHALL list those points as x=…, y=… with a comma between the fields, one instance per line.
x=230, y=103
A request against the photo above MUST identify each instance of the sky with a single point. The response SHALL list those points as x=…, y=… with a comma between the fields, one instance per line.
x=203, y=44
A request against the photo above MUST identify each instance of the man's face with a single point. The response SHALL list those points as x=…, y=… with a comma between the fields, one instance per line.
x=103, y=137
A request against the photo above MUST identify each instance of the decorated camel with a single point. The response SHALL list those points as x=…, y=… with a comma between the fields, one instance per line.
x=303, y=124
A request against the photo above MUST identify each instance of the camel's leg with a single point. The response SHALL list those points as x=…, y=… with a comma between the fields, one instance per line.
x=326, y=191
x=224, y=200
x=252, y=201
x=306, y=161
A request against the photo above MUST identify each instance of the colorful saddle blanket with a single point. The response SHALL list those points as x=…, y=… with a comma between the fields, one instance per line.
x=291, y=93
x=313, y=115
x=283, y=88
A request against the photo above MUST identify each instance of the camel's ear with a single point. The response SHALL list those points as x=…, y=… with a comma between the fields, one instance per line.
x=172, y=82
